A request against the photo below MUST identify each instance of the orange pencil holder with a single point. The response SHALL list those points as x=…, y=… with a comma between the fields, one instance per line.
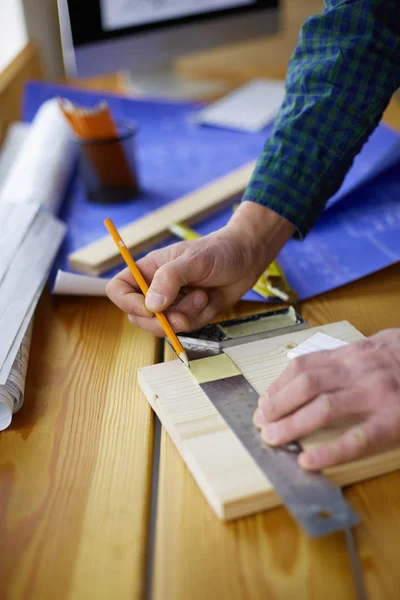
x=108, y=166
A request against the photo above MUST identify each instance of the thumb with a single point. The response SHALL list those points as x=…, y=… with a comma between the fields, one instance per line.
x=166, y=284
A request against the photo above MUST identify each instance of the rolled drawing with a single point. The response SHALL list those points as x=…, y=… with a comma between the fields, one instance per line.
x=12, y=393
x=44, y=163
x=38, y=173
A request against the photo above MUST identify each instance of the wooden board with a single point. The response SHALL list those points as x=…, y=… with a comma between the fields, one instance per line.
x=141, y=234
x=76, y=463
x=229, y=479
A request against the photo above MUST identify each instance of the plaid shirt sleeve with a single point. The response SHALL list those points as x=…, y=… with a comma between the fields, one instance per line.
x=340, y=79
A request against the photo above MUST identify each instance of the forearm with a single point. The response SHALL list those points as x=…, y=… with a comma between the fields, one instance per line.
x=264, y=230
x=341, y=77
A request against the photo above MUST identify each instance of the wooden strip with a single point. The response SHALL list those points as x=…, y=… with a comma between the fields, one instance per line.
x=75, y=469
x=139, y=235
x=228, y=477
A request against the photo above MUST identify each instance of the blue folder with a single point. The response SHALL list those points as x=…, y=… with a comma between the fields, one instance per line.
x=358, y=234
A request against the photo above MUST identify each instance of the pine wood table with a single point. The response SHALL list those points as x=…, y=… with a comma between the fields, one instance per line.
x=96, y=503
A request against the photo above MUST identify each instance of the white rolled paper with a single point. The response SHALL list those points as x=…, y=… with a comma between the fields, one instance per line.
x=44, y=163
x=37, y=172
x=72, y=284
x=6, y=411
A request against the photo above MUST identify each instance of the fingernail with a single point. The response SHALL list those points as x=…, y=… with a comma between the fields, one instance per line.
x=199, y=300
x=155, y=302
x=270, y=434
x=259, y=419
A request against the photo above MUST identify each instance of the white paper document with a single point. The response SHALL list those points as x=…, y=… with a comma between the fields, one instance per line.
x=15, y=221
x=24, y=279
x=36, y=162
x=318, y=341
x=18, y=340
x=72, y=284
x=249, y=108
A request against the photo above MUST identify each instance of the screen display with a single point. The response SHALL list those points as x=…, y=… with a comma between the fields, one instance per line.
x=99, y=20
x=118, y=14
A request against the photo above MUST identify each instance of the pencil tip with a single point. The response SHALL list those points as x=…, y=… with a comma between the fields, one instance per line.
x=184, y=359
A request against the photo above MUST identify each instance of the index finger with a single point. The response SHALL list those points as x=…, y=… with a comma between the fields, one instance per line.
x=124, y=291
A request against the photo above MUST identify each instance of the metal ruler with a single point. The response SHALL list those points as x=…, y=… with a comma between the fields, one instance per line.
x=315, y=503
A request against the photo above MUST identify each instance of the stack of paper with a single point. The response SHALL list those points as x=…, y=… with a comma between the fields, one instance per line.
x=32, y=187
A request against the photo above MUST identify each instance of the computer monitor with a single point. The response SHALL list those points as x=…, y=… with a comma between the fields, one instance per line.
x=100, y=36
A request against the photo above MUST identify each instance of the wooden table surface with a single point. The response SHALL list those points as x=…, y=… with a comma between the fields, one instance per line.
x=83, y=463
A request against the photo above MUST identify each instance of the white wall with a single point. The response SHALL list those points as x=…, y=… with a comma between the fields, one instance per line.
x=36, y=20
x=13, y=34
x=41, y=17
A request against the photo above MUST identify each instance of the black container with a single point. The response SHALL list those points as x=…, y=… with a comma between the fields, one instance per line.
x=108, y=167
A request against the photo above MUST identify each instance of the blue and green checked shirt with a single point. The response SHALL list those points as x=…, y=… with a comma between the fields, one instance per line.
x=340, y=79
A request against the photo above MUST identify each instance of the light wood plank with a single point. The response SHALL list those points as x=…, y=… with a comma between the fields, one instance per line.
x=75, y=467
x=229, y=479
x=145, y=232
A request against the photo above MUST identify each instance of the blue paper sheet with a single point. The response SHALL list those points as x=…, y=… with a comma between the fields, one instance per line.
x=175, y=156
x=351, y=240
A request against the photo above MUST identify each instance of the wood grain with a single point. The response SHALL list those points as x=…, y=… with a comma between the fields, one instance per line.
x=228, y=477
x=75, y=466
x=57, y=544
x=265, y=557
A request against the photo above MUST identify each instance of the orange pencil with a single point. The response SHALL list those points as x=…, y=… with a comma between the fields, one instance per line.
x=134, y=269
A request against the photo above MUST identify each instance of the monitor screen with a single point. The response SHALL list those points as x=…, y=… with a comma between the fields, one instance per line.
x=98, y=20
x=117, y=14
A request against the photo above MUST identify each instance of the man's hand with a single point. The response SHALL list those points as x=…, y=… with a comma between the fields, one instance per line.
x=317, y=389
x=215, y=271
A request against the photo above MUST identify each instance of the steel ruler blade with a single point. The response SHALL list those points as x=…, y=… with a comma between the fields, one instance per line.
x=317, y=505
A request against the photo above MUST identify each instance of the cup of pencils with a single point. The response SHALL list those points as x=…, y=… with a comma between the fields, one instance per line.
x=107, y=153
